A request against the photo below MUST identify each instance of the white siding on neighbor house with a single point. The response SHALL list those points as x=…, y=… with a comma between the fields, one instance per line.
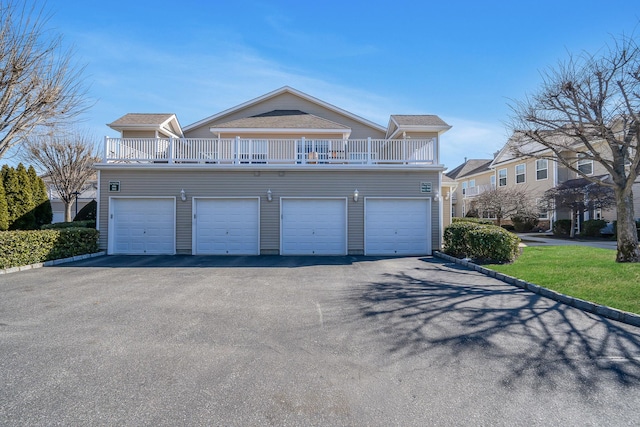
x=326, y=182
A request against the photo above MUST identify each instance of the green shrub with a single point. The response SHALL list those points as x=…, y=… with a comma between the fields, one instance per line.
x=88, y=212
x=28, y=247
x=592, y=227
x=473, y=220
x=480, y=242
x=90, y=223
x=523, y=224
x=562, y=227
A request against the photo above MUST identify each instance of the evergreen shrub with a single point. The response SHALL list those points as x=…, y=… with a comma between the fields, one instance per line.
x=19, y=248
x=562, y=227
x=480, y=242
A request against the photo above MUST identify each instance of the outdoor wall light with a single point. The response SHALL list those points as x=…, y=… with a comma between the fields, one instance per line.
x=183, y=195
x=355, y=195
x=269, y=195
x=448, y=195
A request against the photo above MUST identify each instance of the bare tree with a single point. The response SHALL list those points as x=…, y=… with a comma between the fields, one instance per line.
x=504, y=202
x=68, y=161
x=39, y=84
x=589, y=108
x=579, y=196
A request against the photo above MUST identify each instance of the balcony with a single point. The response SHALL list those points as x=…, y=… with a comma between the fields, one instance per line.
x=277, y=152
x=477, y=190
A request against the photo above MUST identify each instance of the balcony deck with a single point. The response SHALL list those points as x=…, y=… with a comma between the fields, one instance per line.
x=276, y=152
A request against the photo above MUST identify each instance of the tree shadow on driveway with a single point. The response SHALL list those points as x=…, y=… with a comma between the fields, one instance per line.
x=456, y=316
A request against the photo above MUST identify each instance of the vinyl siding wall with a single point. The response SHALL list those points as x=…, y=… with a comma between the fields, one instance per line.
x=287, y=101
x=253, y=182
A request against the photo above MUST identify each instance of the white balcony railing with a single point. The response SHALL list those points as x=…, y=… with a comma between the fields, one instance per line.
x=271, y=151
x=477, y=190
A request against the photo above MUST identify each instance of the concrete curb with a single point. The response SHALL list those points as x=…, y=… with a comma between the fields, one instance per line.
x=602, y=310
x=50, y=263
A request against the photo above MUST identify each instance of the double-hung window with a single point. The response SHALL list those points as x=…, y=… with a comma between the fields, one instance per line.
x=520, y=174
x=543, y=212
x=464, y=188
x=585, y=166
x=542, y=169
x=502, y=178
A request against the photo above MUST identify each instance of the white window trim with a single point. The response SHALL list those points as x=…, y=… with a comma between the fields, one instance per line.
x=523, y=174
x=506, y=176
x=546, y=211
x=546, y=168
x=582, y=162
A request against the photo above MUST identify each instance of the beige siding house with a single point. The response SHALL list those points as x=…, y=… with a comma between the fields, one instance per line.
x=510, y=168
x=284, y=173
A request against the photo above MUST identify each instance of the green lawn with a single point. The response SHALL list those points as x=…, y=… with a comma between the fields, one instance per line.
x=579, y=271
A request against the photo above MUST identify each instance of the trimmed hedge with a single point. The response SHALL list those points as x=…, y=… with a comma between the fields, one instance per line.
x=90, y=223
x=592, y=227
x=29, y=247
x=480, y=242
x=562, y=227
x=473, y=220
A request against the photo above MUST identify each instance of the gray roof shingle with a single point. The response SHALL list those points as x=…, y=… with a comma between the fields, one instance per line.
x=418, y=120
x=282, y=119
x=141, y=119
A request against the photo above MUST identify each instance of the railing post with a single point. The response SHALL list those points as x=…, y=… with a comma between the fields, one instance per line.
x=404, y=151
x=106, y=150
x=170, y=157
x=436, y=152
x=235, y=150
x=369, y=150
x=303, y=144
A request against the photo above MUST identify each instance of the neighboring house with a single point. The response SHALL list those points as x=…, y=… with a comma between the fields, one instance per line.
x=85, y=196
x=284, y=173
x=510, y=168
x=472, y=177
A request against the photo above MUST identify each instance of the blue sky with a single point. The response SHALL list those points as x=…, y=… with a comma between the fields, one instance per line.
x=462, y=60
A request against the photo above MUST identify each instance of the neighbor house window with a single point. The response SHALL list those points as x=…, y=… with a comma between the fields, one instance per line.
x=502, y=177
x=543, y=212
x=542, y=169
x=520, y=174
x=493, y=181
x=585, y=166
x=464, y=188
x=472, y=183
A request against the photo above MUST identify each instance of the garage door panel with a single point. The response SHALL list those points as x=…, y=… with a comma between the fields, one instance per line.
x=143, y=226
x=313, y=227
x=226, y=226
x=397, y=226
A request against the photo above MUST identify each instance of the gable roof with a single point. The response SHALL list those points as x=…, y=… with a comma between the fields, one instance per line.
x=282, y=119
x=470, y=167
x=415, y=123
x=292, y=91
x=167, y=122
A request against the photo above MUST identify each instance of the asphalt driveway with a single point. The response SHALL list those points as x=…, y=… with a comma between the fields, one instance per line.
x=302, y=341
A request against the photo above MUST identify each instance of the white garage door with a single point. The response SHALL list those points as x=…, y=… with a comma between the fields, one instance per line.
x=142, y=226
x=313, y=227
x=226, y=226
x=397, y=226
